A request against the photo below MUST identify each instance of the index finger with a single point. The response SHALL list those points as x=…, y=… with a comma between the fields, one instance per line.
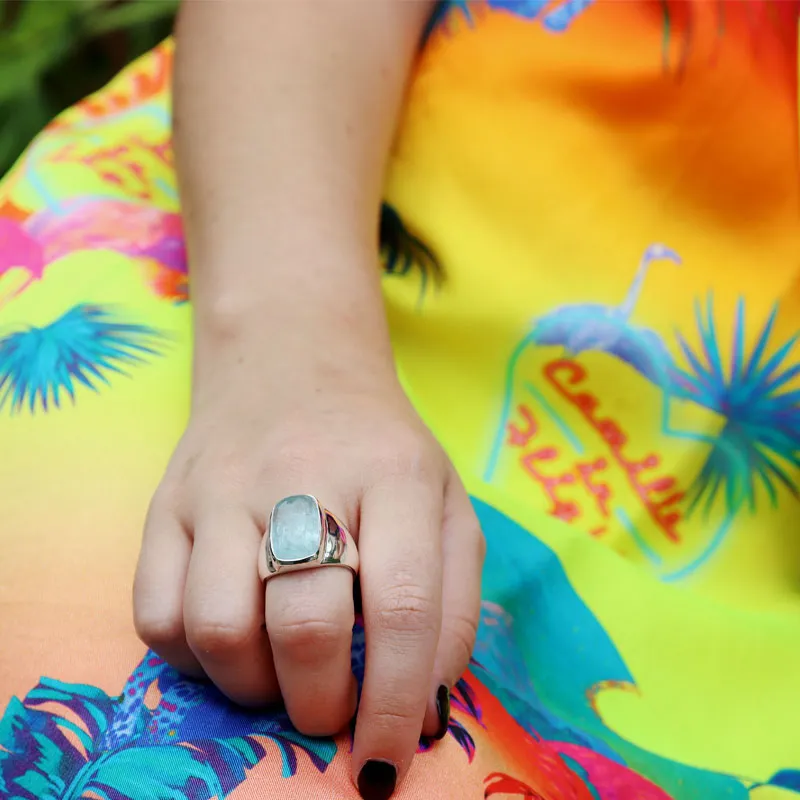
x=401, y=590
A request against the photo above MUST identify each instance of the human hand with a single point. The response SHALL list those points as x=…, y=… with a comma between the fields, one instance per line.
x=354, y=441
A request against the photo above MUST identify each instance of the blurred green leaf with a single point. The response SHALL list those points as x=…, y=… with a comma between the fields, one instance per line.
x=129, y=15
x=54, y=52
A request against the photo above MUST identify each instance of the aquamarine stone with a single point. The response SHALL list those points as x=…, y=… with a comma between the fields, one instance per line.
x=295, y=531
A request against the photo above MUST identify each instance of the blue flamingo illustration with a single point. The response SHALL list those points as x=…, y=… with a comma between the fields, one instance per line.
x=595, y=326
x=598, y=327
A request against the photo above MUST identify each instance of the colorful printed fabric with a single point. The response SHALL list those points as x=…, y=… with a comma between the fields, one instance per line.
x=592, y=250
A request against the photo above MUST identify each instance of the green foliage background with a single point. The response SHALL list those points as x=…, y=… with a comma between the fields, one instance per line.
x=54, y=52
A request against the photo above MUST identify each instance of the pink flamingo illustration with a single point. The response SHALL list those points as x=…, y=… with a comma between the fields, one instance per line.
x=150, y=234
x=18, y=249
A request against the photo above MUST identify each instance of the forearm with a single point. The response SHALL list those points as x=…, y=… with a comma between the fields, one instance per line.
x=284, y=115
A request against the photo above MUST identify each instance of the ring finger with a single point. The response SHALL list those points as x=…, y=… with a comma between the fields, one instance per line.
x=310, y=619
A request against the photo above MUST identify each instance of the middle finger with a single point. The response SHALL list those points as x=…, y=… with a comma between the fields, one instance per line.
x=401, y=587
x=223, y=607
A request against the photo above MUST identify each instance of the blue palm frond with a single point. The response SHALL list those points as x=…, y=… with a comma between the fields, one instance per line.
x=70, y=741
x=320, y=752
x=759, y=444
x=38, y=760
x=82, y=347
x=459, y=733
x=463, y=698
x=157, y=773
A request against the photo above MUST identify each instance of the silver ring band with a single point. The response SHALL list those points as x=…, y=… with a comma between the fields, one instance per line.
x=302, y=534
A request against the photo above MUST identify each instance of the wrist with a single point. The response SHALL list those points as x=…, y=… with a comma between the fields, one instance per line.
x=300, y=343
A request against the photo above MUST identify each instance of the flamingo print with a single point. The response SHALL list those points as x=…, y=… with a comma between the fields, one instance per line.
x=34, y=242
x=608, y=329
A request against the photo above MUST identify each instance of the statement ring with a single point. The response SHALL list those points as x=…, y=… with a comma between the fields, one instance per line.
x=303, y=534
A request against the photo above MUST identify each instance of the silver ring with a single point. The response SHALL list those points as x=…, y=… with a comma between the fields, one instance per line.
x=302, y=534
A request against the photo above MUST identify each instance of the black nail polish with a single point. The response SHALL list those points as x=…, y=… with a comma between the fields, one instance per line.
x=376, y=780
x=443, y=709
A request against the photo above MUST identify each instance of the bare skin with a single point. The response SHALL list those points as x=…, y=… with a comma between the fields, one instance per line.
x=284, y=115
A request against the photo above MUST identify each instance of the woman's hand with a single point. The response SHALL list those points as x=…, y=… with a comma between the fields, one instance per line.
x=284, y=115
x=354, y=441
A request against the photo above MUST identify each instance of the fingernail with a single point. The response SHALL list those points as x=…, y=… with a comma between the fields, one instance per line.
x=376, y=780
x=443, y=709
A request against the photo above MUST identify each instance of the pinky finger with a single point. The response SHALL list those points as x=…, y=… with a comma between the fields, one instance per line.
x=158, y=590
x=463, y=550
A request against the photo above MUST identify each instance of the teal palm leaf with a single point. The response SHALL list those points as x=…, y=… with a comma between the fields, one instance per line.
x=759, y=445
x=38, y=366
x=154, y=773
x=73, y=742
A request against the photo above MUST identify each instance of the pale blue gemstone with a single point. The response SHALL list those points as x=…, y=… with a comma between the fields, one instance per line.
x=295, y=532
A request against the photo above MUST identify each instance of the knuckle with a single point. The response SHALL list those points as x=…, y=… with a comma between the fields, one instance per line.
x=157, y=631
x=164, y=503
x=309, y=640
x=218, y=637
x=224, y=485
x=407, y=456
x=397, y=713
x=405, y=610
x=205, y=476
x=417, y=467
